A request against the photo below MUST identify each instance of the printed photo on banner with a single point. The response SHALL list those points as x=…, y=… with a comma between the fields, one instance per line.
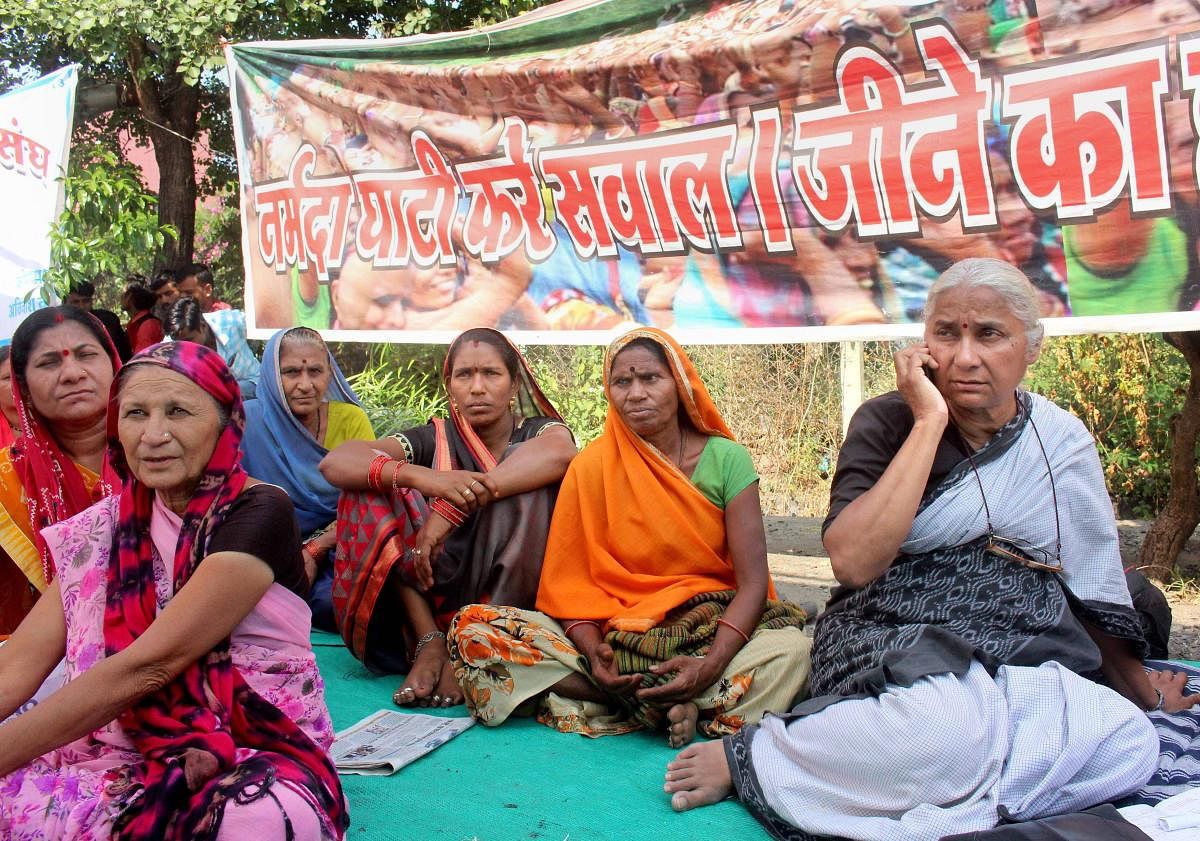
x=746, y=171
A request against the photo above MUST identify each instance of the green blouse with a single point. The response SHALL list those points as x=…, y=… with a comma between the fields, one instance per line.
x=724, y=470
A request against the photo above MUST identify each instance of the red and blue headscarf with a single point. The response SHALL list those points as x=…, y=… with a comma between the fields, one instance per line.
x=198, y=720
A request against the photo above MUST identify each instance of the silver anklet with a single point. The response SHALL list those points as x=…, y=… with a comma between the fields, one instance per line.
x=425, y=640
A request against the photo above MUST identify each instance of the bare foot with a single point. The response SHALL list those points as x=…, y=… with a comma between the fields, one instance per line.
x=423, y=678
x=698, y=776
x=682, y=728
x=449, y=693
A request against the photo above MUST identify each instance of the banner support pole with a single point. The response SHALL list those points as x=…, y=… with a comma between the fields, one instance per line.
x=851, y=354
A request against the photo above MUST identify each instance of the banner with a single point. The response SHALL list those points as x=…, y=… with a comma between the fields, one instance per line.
x=35, y=132
x=754, y=171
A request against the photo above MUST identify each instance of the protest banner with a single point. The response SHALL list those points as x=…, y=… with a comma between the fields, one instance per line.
x=757, y=171
x=35, y=132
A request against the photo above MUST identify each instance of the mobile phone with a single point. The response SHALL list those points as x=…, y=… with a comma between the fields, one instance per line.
x=928, y=372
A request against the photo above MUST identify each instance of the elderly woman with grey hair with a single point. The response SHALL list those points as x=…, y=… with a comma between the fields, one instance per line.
x=981, y=660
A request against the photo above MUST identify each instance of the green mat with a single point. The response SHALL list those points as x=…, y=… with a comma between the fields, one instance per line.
x=518, y=781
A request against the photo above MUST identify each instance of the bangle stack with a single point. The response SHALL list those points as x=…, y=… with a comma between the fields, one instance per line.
x=734, y=628
x=1161, y=700
x=448, y=510
x=375, y=472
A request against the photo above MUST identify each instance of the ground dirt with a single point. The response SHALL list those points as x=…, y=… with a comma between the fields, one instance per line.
x=802, y=574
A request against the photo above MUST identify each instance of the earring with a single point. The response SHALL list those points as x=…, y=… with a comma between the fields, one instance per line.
x=512, y=404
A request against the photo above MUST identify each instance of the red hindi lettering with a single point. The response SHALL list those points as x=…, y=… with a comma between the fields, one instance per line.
x=12, y=150
x=886, y=151
x=1189, y=63
x=506, y=211
x=577, y=200
x=655, y=194
x=37, y=157
x=763, y=167
x=1088, y=130
x=406, y=217
x=304, y=219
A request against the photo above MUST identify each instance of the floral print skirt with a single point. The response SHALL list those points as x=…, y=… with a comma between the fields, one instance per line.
x=507, y=660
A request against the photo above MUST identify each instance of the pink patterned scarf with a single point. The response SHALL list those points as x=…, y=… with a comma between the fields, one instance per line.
x=193, y=727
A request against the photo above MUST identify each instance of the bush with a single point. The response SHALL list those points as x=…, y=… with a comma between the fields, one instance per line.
x=572, y=378
x=784, y=403
x=400, y=386
x=1125, y=388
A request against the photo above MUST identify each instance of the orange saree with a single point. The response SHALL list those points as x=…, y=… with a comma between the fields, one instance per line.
x=632, y=537
x=22, y=576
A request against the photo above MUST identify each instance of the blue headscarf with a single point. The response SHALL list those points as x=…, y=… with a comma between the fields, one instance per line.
x=278, y=449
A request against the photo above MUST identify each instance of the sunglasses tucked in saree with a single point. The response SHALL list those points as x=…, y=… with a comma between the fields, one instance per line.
x=235, y=745
x=495, y=556
x=640, y=548
x=970, y=654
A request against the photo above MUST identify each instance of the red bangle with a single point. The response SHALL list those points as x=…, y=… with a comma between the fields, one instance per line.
x=448, y=510
x=396, y=488
x=375, y=472
x=734, y=628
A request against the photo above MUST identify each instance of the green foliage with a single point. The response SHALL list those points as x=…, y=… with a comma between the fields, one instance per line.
x=1125, y=388
x=572, y=378
x=169, y=36
x=784, y=403
x=108, y=226
x=219, y=246
x=399, y=386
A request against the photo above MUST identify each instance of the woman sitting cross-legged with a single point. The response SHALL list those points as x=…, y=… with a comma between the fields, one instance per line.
x=62, y=364
x=304, y=409
x=655, y=604
x=193, y=707
x=490, y=474
x=981, y=660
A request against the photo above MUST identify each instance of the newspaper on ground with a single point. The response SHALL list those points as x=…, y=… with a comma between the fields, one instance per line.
x=386, y=741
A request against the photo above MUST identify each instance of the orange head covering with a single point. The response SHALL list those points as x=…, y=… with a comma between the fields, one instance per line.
x=631, y=536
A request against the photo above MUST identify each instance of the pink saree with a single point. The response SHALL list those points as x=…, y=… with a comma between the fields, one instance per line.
x=79, y=790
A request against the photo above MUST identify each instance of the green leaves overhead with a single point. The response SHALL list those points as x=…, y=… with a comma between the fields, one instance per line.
x=178, y=36
x=109, y=224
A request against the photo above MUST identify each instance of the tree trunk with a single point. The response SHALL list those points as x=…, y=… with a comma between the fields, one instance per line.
x=172, y=111
x=177, y=186
x=1175, y=523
